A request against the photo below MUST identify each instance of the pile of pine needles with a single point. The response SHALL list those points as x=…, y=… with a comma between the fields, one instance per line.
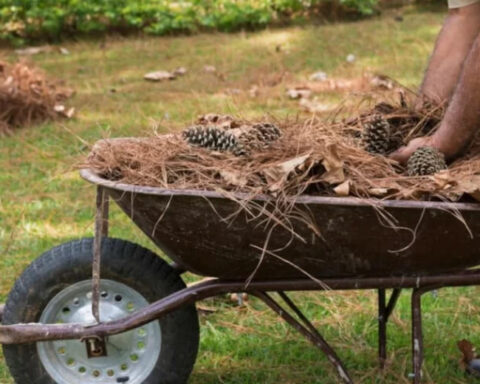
x=27, y=96
x=313, y=156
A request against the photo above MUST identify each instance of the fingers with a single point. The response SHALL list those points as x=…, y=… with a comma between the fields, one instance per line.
x=401, y=155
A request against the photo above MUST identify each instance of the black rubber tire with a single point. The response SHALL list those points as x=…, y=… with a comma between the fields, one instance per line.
x=123, y=262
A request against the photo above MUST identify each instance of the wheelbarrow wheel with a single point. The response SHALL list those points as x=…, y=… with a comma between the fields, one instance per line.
x=56, y=288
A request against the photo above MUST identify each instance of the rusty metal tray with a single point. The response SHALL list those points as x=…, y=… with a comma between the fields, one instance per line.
x=192, y=228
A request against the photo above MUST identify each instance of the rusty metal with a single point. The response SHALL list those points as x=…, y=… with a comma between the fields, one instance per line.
x=307, y=330
x=188, y=230
x=382, y=328
x=417, y=335
x=101, y=230
x=105, y=214
x=24, y=333
x=384, y=312
x=417, y=332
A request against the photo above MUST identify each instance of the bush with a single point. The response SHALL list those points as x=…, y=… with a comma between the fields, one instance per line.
x=26, y=20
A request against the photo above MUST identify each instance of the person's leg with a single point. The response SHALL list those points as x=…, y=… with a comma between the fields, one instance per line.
x=453, y=44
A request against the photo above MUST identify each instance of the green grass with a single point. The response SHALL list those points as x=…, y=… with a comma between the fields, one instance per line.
x=43, y=202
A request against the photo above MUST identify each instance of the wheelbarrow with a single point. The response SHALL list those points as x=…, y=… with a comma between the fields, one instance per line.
x=104, y=310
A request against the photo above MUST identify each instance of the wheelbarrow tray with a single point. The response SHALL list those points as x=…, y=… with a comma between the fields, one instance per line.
x=200, y=231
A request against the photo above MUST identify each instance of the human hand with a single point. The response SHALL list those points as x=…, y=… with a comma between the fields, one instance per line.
x=403, y=154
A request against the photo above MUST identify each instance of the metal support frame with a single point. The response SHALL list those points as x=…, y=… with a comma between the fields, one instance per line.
x=28, y=333
x=417, y=331
x=95, y=344
x=384, y=312
x=101, y=231
x=306, y=328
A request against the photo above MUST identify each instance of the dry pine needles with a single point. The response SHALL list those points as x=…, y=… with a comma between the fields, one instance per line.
x=27, y=96
x=313, y=156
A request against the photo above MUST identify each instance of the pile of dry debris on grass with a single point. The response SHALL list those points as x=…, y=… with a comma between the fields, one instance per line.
x=28, y=96
x=312, y=156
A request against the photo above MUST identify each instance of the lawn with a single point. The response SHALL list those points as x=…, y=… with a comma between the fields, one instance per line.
x=43, y=202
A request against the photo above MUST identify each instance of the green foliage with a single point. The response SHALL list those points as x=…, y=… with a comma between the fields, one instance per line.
x=365, y=7
x=26, y=20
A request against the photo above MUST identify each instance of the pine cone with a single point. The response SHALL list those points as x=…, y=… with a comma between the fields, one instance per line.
x=267, y=132
x=426, y=161
x=213, y=138
x=377, y=136
x=260, y=136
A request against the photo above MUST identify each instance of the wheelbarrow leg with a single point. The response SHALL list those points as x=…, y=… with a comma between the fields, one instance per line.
x=417, y=335
x=306, y=329
x=382, y=328
x=101, y=230
x=384, y=312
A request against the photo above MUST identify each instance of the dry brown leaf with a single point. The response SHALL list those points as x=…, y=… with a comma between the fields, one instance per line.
x=59, y=108
x=209, y=69
x=443, y=179
x=290, y=165
x=234, y=178
x=31, y=51
x=318, y=76
x=70, y=112
x=222, y=121
x=159, y=76
x=299, y=93
x=180, y=71
x=334, y=166
x=233, y=91
x=343, y=189
x=63, y=111
x=351, y=58
x=469, y=185
x=467, y=349
x=314, y=106
x=278, y=174
x=363, y=83
x=253, y=91
x=382, y=82
x=378, y=192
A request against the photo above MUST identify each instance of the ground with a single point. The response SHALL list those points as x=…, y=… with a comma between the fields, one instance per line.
x=43, y=202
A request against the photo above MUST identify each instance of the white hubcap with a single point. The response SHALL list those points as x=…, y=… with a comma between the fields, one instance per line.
x=132, y=356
